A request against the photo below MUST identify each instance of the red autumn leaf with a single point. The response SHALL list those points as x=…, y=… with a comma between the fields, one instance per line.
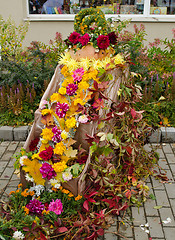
x=62, y=229
x=129, y=150
x=98, y=104
x=133, y=113
x=26, y=229
x=110, y=202
x=86, y=205
x=92, y=237
x=100, y=232
x=42, y=236
x=128, y=193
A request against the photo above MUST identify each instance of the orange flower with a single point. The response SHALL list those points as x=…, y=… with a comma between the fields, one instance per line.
x=78, y=197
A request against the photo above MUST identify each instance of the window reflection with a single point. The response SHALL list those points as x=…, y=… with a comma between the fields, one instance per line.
x=162, y=7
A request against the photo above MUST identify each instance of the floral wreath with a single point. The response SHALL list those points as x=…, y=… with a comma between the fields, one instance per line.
x=93, y=22
x=90, y=20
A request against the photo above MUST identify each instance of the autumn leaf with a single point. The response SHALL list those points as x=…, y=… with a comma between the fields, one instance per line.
x=165, y=121
x=70, y=152
x=47, y=120
x=98, y=104
x=33, y=168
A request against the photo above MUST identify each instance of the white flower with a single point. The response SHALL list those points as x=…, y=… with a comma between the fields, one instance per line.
x=168, y=220
x=83, y=119
x=38, y=189
x=18, y=235
x=55, y=183
x=22, y=159
x=29, y=178
x=67, y=176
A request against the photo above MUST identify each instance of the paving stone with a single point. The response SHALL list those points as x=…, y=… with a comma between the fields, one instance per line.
x=11, y=162
x=21, y=144
x=6, y=156
x=126, y=229
x=172, y=203
x=149, y=208
x=170, y=188
x=14, y=183
x=14, y=177
x=161, y=198
x=138, y=216
x=6, y=133
x=172, y=168
x=5, y=143
x=2, y=150
x=169, y=175
x=155, y=227
x=168, y=134
x=9, y=189
x=167, y=148
x=157, y=185
x=109, y=235
x=170, y=157
x=12, y=146
x=167, y=213
x=140, y=234
x=148, y=147
x=20, y=133
x=161, y=153
x=2, y=166
x=169, y=233
x=3, y=184
x=7, y=174
x=163, y=164
x=155, y=136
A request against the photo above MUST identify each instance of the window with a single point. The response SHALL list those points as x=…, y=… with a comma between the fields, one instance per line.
x=142, y=8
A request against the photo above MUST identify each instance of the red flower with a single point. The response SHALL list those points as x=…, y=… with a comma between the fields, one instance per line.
x=103, y=42
x=84, y=39
x=33, y=144
x=82, y=159
x=112, y=37
x=74, y=37
x=46, y=154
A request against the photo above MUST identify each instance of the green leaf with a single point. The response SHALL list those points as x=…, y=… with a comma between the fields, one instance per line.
x=109, y=136
x=157, y=207
x=151, y=196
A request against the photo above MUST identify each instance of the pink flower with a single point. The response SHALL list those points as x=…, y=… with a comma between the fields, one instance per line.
x=71, y=89
x=61, y=109
x=84, y=39
x=46, y=154
x=56, y=206
x=74, y=37
x=35, y=206
x=43, y=103
x=47, y=171
x=57, y=134
x=67, y=176
x=83, y=119
x=77, y=74
x=103, y=42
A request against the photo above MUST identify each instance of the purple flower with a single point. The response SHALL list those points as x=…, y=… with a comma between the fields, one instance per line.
x=47, y=171
x=35, y=206
x=71, y=89
x=56, y=206
x=61, y=109
x=77, y=74
x=57, y=134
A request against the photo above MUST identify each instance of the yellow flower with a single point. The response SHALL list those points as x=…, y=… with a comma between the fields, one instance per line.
x=26, y=210
x=78, y=197
x=34, y=156
x=70, y=123
x=72, y=64
x=46, y=111
x=118, y=59
x=25, y=193
x=47, y=134
x=55, y=97
x=59, y=148
x=85, y=63
x=62, y=90
x=67, y=80
x=64, y=134
x=59, y=166
x=70, y=194
x=65, y=58
x=97, y=63
x=78, y=100
x=83, y=86
x=64, y=71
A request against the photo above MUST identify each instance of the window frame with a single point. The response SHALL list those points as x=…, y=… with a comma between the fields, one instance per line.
x=145, y=17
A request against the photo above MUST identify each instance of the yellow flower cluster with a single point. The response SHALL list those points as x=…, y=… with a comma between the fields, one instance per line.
x=47, y=134
x=59, y=148
x=25, y=193
x=46, y=111
x=59, y=166
x=70, y=123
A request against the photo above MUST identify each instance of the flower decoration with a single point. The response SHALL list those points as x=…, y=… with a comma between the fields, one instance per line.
x=46, y=154
x=35, y=206
x=71, y=89
x=103, y=42
x=56, y=206
x=61, y=109
x=47, y=171
x=17, y=235
x=112, y=38
x=67, y=176
x=84, y=39
x=74, y=37
x=78, y=74
x=83, y=119
x=57, y=134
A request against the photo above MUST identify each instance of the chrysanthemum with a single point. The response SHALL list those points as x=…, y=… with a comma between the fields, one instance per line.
x=35, y=206
x=71, y=89
x=67, y=176
x=64, y=134
x=70, y=123
x=65, y=58
x=83, y=119
x=46, y=111
x=62, y=90
x=72, y=64
x=84, y=39
x=74, y=37
x=47, y=134
x=77, y=74
x=17, y=235
x=47, y=171
x=57, y=134
x=59, y=148
x=118, y=59
x=61, y=109
x=56, y=206
x=103, y=42
x=59, y=166
x=85, y=63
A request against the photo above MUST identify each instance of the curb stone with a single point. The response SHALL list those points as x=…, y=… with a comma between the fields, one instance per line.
x=7, y=133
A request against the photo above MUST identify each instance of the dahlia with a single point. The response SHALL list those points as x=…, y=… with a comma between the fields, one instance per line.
x=35, y=206
x=84, y=39
x=56, y=206
x=47, y=171
x=74, y=37
x=71, y=89
x=46, y=154
x=57, y=134
x=77, y=74
x=103, y=42
x=112, y=37
x=61, y=109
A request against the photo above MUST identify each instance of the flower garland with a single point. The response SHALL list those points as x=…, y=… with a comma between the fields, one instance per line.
x=56, y=161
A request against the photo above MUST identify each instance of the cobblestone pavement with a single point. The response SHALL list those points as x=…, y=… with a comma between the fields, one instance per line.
x=152, y=212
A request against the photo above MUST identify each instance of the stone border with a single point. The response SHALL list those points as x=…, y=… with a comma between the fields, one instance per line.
x=163, y=134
